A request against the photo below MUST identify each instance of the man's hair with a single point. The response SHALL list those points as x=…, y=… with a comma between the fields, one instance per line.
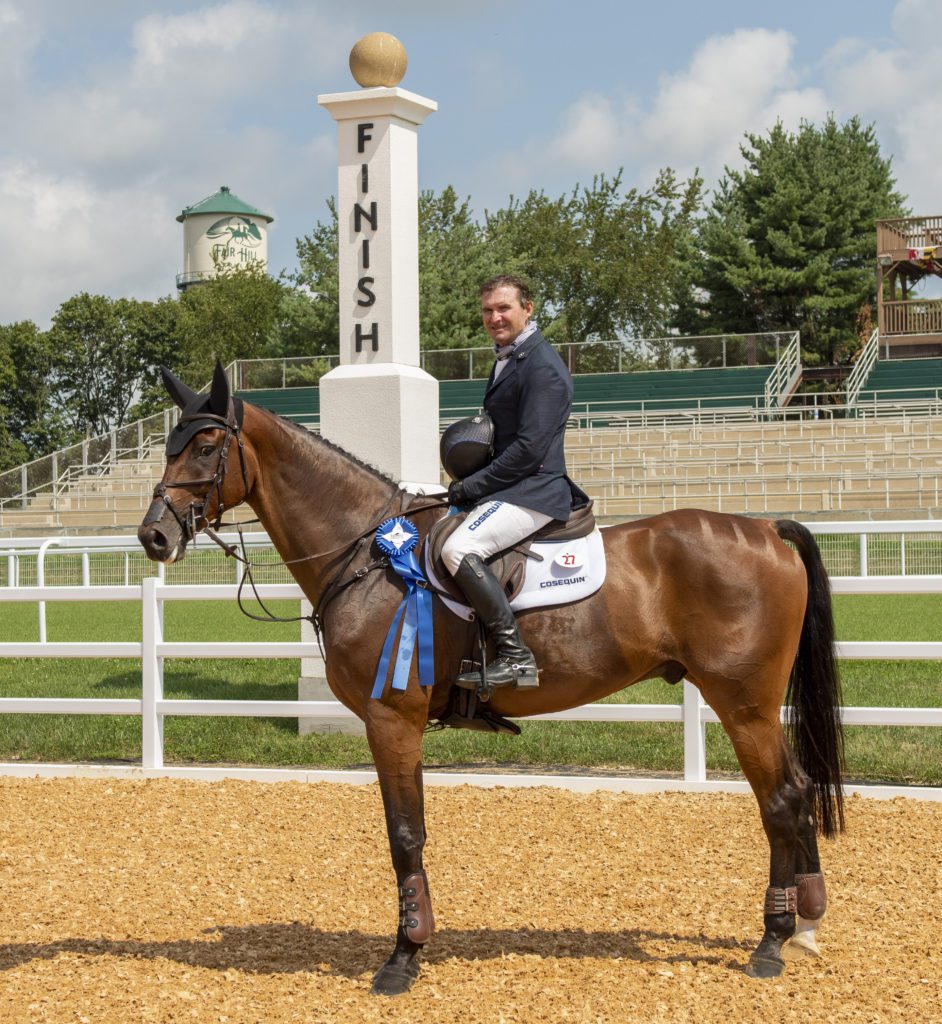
x=508, y=281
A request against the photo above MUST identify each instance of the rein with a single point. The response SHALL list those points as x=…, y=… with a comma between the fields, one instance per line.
x=336, y=585
x=189, y=521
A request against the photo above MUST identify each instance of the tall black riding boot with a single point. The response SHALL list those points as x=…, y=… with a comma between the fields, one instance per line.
x=514, y=663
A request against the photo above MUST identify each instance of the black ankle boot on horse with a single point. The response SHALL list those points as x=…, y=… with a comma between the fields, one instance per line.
x=514, y=664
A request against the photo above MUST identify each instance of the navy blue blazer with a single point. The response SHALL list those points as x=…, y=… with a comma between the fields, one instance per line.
x=529, y=402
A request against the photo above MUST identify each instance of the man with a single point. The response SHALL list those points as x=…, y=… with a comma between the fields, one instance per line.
x=525, y=486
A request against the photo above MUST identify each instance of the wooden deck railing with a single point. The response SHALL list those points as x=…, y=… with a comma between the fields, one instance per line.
x=908, y=233
x=914, y=316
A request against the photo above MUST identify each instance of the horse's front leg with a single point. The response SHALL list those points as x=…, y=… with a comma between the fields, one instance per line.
x=394, y=732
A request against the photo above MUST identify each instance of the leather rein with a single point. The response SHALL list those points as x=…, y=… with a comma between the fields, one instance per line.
x=189, y=521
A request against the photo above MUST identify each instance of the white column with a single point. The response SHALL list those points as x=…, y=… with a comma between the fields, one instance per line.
x=694, y=735
x=378, y=404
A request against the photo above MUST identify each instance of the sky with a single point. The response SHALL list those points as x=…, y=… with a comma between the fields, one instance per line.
x=116, y=114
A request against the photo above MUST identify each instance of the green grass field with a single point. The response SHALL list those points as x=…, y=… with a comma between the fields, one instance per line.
x=901, y=755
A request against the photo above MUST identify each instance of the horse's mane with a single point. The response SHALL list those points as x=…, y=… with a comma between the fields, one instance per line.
x=315, y=440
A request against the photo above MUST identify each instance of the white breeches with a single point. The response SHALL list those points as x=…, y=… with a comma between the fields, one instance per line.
x=491, y=526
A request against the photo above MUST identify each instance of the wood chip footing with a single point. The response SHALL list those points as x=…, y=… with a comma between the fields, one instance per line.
x=167, y=901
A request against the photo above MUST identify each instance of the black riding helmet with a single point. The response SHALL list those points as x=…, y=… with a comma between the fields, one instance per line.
x=467, y=446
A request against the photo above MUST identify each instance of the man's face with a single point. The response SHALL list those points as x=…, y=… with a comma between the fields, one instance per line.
x=503, y=314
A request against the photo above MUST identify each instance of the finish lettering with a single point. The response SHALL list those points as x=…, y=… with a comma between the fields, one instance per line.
x=363, y=135
x=360, y=215
x=372, y=336
x=363, y=286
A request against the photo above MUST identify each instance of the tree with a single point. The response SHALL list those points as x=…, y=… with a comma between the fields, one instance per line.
x=31, y=420
x=788, y=242
x=98, y=371
x=317, y=331
x=602, y=260
x=233, y=316
x=455, y=257
x=152, y=329
x=12, y=450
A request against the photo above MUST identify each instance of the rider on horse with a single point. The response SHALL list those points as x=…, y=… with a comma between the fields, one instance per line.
x=524, y=486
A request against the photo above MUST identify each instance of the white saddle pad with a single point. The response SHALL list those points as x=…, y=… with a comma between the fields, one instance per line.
x=570, y=571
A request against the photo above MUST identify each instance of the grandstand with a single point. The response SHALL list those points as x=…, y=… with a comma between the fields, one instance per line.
x=599, y=397
x=904, y=381
x=639, y=442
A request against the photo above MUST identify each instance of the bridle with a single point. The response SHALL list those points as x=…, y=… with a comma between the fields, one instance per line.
x=189, y=520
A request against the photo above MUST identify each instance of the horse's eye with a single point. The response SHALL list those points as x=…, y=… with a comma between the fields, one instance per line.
x=206, y=450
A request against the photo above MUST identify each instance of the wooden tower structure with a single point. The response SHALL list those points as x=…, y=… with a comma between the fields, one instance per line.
x=909, y=250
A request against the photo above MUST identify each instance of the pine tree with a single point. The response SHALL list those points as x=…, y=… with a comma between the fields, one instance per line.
x=789, y=241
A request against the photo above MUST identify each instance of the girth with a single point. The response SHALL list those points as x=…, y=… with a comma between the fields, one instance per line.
x=508, y=566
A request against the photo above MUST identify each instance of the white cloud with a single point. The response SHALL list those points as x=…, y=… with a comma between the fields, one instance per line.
x=64, y=235
x=590, y=133
x=18, y=36
x=747, y=80
x=107, y=156
x=892, y=86
x=743, y=81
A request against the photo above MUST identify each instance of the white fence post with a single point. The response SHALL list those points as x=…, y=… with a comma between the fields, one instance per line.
x=694, y=735
x=152, y=676
x=41, y=582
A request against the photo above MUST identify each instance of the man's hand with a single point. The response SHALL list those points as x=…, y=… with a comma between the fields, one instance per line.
x=456, y=495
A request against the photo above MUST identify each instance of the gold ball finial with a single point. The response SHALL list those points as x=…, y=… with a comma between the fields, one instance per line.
x=378, y=59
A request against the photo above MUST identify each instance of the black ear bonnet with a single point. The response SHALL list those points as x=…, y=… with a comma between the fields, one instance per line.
x=215, y=402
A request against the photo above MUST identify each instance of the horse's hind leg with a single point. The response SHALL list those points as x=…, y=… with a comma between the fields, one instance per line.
x=783, y=791
x=395, y=739
x=812, y=896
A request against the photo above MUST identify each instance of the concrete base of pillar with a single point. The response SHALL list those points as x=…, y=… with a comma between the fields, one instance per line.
x=317, y=689
x=313, y=686
x=387, y=415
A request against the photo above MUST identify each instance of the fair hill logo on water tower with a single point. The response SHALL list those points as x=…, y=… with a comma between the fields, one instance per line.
x=221, y=229
x=240, y=236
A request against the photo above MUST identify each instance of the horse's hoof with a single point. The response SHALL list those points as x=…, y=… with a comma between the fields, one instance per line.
x=394, y=979
x=765, y=967
x=803, y=943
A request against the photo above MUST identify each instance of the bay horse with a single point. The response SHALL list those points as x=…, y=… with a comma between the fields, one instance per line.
x=721, y=600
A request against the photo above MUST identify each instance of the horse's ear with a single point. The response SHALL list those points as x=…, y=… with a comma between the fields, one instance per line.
x=178, y=391
x=219, y=394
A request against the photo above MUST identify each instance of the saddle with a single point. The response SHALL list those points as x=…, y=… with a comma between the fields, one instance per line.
x=508, y=566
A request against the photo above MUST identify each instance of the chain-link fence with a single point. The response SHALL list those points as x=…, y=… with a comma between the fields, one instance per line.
x=882, y=554
x=850, y=554
x=93, y=457
x=73, y=568
x=617, y=356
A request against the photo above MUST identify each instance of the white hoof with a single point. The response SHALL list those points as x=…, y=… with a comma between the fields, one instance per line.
x=803, y=942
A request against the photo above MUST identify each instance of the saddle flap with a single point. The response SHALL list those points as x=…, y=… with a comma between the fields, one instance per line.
x=508, y=566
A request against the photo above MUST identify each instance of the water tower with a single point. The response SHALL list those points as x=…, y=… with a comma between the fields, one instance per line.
x=221, y=230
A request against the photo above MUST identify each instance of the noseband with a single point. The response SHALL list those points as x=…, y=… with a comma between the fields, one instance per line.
x=189, y=519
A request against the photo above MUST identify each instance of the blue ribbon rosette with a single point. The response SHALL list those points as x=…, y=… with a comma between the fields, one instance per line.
x=396, y=538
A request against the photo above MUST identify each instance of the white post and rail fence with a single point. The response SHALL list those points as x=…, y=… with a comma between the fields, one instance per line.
x=153, y=707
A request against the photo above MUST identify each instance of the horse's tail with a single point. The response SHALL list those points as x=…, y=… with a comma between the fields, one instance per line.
x=814, y=689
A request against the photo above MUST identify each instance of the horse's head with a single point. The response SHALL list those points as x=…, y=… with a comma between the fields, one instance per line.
x=198, y=483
